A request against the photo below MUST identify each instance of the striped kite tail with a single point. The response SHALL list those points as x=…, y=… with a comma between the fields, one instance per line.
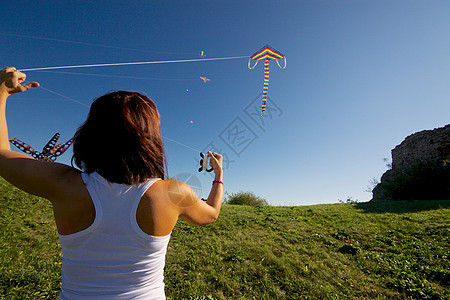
x=266, y=85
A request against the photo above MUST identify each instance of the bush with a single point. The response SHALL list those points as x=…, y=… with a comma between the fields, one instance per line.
x=245, y=198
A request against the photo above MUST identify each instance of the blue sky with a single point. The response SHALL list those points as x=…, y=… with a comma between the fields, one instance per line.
x=360, y=77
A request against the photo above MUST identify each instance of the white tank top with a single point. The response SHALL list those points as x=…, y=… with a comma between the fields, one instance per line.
x=113, y=258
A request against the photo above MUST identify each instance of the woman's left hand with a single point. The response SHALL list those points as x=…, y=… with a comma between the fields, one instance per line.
x=11, y=81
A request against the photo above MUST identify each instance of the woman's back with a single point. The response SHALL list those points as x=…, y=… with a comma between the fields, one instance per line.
x=113, y=257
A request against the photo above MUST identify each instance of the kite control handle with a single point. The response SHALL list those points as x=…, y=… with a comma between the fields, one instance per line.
x=204, y=163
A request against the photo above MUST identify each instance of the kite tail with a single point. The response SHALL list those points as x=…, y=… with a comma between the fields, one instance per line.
x=266, y=85
x=284, y=63
x=249, y=64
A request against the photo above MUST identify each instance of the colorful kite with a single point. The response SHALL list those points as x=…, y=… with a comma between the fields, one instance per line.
x=202, y=53
x=266, y=53
x=50, y=152
x=205, y=79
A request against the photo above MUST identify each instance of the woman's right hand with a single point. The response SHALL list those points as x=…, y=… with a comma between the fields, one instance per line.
x=215, y=161
x=11, y=81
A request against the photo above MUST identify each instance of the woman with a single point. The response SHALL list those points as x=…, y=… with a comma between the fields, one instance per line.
x=114, y=219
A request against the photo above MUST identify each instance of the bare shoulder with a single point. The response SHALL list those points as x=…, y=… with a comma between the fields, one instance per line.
x=70, y=177
x=174, y=192
x=69, y=183
x=157, y=212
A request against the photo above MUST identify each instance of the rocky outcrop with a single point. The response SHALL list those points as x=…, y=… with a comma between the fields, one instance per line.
x=422, y=146
x=422, y=158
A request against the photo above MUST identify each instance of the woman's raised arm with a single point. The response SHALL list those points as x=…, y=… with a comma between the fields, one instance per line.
x=206, y=212
x=39, y=178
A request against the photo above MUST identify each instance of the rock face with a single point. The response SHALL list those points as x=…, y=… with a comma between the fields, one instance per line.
x=422, y=146
x=426, y=149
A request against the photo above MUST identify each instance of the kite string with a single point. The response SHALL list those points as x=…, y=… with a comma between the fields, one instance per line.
x=61, y=95
x=90, y=44
x=181, y=144
x=118, y=76
x=133, y=63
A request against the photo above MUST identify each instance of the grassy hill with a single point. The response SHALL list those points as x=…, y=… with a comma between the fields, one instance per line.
x=380, y=250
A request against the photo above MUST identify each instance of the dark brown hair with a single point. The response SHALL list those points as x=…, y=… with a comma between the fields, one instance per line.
x=121, y=139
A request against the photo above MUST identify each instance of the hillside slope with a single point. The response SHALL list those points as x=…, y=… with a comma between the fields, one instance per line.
x=341, y=251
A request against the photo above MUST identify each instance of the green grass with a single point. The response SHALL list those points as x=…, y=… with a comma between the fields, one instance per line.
x=385, y=250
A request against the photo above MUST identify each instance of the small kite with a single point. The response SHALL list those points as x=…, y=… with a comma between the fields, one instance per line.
x=205, y=79
x=202, y=53
x=50, y=152
x=266, y=53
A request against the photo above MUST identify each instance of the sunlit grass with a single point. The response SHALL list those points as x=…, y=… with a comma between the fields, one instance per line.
x=396, y=250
